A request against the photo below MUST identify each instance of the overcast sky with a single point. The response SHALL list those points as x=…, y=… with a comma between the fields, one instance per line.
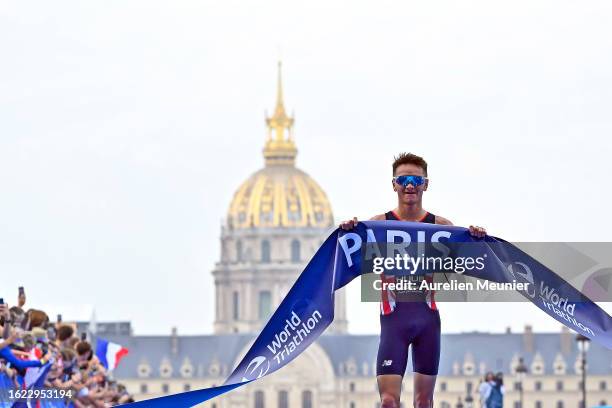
x=126, y=126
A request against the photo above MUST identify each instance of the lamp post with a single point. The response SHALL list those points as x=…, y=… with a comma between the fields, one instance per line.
x=521, y=372
x=469, y=401
x=583, y=347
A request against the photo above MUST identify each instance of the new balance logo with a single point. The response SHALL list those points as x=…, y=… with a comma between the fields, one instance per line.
x=387, y=363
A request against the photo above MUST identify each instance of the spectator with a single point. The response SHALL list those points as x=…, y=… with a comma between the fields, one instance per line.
x=485, y=388
x=18, y=315
x=36, y=318
x=73, y=341
x=11, y=356
x=495, y=398
x=64, y=334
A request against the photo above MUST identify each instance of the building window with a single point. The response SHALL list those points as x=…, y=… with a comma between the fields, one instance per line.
x=265, y=251
x=445, y=404
x=307, y=399
x=187, y=387
x=538, y=404
x=265, y=304
x=352, y=387
x=144, y=370
x=517, y=385
x=559, y=387
x=144, y=389
x=352, y=404
x=579, y=385
x=517, y=404
x=235, y=305
x=283, y=399
x=468, y=387
x=538, y=385
x=165, y=388
x=559, y=404
x=443, y=387
x=603, y=386
x=259, y=399
x=580, y=404
x=165, y=370
x=295, y=251
x=239, y=253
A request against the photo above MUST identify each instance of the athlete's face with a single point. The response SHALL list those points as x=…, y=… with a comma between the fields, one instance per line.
x=410, y=194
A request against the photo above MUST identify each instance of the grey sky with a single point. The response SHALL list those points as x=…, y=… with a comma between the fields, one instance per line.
x=125, y=127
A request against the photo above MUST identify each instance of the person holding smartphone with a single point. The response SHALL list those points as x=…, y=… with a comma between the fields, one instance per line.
x=21, y=298
x=18, y=315
x=413, y=324
x=5, y=319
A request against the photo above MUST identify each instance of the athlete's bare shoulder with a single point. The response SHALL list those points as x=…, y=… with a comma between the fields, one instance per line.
x=442, y=221
x=379, y=217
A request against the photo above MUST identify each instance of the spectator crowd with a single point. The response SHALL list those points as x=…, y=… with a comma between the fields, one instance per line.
x=57, y=357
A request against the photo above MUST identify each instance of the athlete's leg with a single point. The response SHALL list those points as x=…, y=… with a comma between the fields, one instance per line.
x=425, y=359
x=423, y=390
x=392, y=359
x=389, y=387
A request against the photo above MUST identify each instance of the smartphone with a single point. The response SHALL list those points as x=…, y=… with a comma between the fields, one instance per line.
x=1, y=301
x=59, y=318
x=51, y=333
x=83, y=336
x=21, y=291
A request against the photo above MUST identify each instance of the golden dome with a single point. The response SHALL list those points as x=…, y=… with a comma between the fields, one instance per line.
x=280, y=195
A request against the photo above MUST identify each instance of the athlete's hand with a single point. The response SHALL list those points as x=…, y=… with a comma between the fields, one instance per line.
x=349, y=225
x=477, y=232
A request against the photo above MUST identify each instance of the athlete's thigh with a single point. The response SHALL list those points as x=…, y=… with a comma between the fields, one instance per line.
x=426, y=346
x=392, y=357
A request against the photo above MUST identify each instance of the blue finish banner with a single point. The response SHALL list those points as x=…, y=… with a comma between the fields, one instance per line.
x=308, y=308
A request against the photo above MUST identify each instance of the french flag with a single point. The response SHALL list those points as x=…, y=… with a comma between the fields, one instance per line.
x=109, y=353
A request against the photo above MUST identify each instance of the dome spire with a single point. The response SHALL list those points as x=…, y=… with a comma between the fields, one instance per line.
x=280, y=148
x=279, y=111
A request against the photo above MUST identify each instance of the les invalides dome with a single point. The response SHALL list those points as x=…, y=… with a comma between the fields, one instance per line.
x=276, y=221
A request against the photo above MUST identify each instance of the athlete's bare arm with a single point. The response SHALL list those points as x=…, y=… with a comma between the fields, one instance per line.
x=350, y=224
x=443, y=221
x=475, y=231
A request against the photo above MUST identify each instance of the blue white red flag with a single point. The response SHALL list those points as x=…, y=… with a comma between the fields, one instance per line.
x=109, y=353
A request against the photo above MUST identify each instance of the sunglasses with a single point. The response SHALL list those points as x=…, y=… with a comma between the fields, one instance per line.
x=414, y=180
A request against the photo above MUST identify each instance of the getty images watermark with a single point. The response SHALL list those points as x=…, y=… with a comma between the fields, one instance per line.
x=405, y=267
x=452, y=271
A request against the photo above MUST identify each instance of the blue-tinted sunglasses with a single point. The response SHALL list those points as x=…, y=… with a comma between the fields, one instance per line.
x=414, y=180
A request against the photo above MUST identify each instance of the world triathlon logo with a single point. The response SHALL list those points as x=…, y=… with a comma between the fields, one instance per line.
x=551, y=299
x=256, y=368
x=522, y=273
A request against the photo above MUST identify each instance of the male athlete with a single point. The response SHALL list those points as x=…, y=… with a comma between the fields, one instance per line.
x=415, y=323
